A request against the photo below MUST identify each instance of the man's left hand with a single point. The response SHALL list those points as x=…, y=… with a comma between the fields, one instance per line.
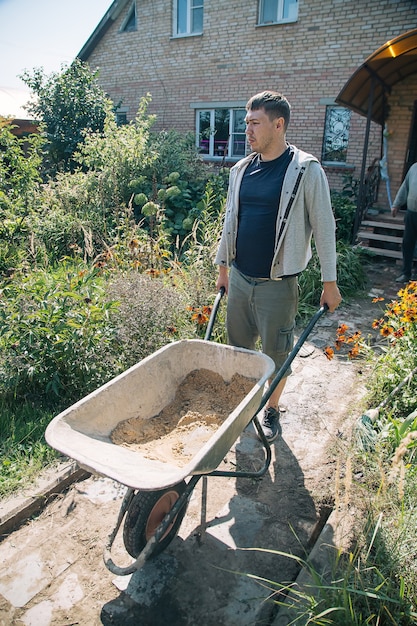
x=330, y=296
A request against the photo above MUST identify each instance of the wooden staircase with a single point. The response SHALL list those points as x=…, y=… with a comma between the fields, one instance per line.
x=382, y=234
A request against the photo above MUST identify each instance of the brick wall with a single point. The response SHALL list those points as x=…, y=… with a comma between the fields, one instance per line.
x=309, y=61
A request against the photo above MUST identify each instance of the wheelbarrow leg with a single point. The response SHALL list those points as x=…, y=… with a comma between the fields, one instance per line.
x=201, y=530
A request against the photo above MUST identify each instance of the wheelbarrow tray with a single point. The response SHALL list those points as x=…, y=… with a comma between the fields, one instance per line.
x=82, y=432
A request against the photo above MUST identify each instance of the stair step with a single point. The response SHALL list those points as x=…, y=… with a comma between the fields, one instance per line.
x=393, y=254
x=365, y=234
x=385, y=225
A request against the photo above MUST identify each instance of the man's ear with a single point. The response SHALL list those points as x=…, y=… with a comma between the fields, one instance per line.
x=279, y=123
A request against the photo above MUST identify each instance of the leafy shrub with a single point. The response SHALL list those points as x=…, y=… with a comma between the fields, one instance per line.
x=351, y=276
x=54, y=328
x=150, y=314
x=69, y=103
x=344, y=209
x=19, y=181
x=399, y=327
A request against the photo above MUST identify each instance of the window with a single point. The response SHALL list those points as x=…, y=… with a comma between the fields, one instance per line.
x=188, y=17
x=336, y=134
x=221, y=132
x=121, y=116
x=278, y=11
x=129, y=25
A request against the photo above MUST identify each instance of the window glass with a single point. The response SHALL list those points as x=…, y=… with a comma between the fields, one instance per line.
x=239, y=136
x=189, y=16
x=290, y=10
x=182, y=6
x=197, y=16
x=336, y=134
x=121, y=118
x=221, y=132
x=203, y=131
x=269, y=11
x=130, y=24
x=275, y=11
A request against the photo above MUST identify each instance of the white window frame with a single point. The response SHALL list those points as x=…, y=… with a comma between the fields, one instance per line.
x=279, y=14
x=215, y=152
x=189, y=18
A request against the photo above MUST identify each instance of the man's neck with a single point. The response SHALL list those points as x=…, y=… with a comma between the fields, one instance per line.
x=274, y=153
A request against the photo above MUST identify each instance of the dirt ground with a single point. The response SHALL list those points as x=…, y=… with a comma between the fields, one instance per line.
x=52, y=570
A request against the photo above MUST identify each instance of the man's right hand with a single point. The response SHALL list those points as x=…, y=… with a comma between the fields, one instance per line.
x=394, y=211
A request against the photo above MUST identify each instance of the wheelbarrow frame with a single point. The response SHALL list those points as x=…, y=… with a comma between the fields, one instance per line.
x=182, y=501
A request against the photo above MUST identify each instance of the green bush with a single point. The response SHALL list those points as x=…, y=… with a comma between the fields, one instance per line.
x=150, y=314
x=53, y=331
x=344, y=209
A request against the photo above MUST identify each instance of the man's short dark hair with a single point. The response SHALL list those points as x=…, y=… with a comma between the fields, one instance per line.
x=274, y=103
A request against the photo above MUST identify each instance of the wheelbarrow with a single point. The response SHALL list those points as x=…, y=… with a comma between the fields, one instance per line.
x=158, y=489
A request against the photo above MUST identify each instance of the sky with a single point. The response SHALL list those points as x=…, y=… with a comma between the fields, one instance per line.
x=44, y=33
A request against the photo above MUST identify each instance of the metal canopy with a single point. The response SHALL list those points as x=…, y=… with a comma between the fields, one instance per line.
x=366, y=89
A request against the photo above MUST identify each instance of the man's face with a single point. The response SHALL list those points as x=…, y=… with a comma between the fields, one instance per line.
x=261, y=132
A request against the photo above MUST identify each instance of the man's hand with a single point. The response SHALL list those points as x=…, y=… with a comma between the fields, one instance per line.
x=330, y=295
x=394, y=211
x=223, y=279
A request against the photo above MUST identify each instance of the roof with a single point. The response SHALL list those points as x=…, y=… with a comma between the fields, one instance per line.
x=110, y=16
x=390, y=64
x=12, y=102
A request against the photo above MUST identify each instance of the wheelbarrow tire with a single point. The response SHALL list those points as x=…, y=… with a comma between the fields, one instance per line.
x=144, y=515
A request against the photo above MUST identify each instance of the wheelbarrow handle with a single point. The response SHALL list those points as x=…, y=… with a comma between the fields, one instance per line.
x=213, y=315
x=291, y=356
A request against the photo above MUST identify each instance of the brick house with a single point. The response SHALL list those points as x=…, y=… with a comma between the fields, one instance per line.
x=202, y=59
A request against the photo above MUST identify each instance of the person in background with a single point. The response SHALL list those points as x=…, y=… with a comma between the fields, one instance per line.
x=278, y=197
x=407, y=196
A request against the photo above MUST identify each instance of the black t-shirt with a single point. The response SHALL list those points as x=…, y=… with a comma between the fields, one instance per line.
x=259, y=198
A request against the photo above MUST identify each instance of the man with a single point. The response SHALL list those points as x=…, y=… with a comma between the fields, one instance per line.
x=407, y=196
x=278, y=197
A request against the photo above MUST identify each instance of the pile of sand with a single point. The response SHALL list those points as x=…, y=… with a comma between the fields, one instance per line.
x=201, y=404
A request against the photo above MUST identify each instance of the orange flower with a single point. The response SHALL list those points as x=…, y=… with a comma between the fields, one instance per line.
x=329, y=352
x=153, y=272
x=342, y=329
x=338, y=343
x=377, y=323
x=386, y=331
x=355, y=337
x=410, y=315
x=200, y=318
x=354, y=352
x=379, y=299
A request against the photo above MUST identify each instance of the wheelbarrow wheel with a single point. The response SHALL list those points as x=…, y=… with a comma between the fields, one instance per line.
x=144, y=515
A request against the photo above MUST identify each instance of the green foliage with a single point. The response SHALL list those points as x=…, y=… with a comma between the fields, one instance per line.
x=351, y=277
x=174, y=181
x=68, y=103
x=398, y=326
x=150, y=314
x=19, y=181
x=361, y=589
x=344, y=209
x=23, y=450
x=53, y=333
